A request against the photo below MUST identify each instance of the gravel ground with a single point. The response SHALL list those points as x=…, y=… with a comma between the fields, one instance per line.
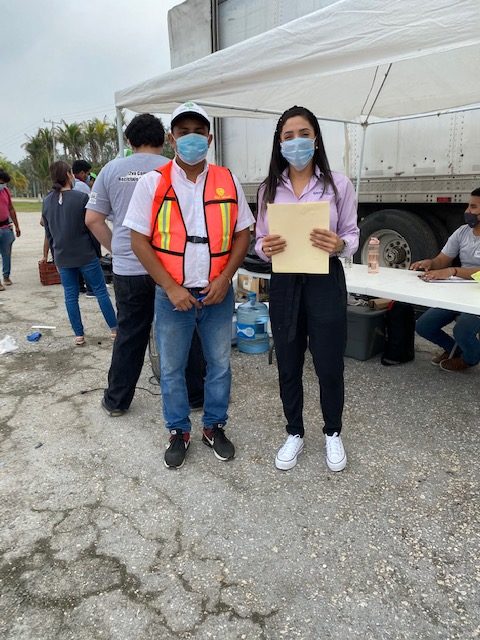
x=100, y=540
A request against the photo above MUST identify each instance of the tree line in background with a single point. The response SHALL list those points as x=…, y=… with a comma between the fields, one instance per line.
x=93, y=140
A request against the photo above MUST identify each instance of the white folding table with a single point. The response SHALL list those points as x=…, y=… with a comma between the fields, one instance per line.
x=406, y=286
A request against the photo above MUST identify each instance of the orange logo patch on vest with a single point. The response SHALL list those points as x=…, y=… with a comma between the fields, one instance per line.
x=220, y=191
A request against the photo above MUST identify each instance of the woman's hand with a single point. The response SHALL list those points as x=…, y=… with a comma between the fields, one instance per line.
x=273, y=244
x=421, y=265
x=327, y=240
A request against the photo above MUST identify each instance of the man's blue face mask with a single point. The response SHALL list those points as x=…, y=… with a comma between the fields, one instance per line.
x=471, y=219
x=192, y=148
x=298, y=152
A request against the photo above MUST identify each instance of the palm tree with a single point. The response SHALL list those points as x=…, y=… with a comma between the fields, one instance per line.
x=40, y=150
x=72, y=138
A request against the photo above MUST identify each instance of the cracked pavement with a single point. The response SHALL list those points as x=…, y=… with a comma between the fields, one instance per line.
x=99, y=540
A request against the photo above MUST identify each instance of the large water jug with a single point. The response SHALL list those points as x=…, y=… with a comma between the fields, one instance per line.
x=252, y=321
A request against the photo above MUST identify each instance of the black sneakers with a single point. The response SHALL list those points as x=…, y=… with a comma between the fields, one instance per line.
x=215, y=438
x=177, y=449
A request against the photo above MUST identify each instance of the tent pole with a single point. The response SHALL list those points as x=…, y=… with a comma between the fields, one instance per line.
x=364, y=126
x=119, y=132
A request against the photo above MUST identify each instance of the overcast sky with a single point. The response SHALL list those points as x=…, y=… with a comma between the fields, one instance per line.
x=64, y=59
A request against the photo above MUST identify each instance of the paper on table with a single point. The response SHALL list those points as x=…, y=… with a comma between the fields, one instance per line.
x=295, y=222
x=451, y=279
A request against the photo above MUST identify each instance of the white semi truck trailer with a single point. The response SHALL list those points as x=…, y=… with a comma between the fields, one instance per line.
x=417, y=174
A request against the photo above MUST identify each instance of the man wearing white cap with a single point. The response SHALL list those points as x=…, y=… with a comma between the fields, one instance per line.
x=190, y=229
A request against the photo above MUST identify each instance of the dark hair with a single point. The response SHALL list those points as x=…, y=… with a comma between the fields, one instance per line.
x=81, y=165
x=278, y=163
x=58, y=174
x=476, y=192
x=145, y=129
x=4, y=177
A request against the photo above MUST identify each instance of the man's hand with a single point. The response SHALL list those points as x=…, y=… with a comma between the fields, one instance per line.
x=421, y=265
x=181, y=298
x=17, y=231
x=326, y=240
x=216, y=290
x=437, y=274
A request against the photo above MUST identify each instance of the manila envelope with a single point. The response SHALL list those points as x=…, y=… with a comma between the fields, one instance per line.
x=294, y=222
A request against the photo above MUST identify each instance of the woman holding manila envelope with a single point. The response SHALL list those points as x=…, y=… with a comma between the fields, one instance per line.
x=307, y=218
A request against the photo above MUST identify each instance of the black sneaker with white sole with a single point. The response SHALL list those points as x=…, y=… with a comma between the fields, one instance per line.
x=215, y=438
x=176, y=449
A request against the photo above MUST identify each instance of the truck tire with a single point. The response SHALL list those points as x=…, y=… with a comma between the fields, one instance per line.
x=439, y=229
x=404, y=238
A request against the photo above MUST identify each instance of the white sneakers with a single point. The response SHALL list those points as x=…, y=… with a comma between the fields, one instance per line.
x=336, y=456
x=287, y=455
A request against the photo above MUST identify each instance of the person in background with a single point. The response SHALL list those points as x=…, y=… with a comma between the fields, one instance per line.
x=134, y=288
x=91, y=179
x=190, y=230
x=308, y=309
x=63, y=213
x=81, y=171
x=8, y=222
x=464, y=243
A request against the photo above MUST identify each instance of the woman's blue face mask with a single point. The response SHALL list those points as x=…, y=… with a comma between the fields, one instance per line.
x=298, y=152
x=192, y=148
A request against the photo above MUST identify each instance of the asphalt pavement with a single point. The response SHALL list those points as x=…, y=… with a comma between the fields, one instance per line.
x=98, y=540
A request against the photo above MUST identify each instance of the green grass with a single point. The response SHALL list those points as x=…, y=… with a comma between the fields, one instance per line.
x=22, y=205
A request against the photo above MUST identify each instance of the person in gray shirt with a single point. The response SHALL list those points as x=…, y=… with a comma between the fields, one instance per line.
x=464, y=243
x=134, y=288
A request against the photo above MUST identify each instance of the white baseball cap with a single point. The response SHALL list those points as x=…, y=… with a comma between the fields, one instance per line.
x=189, y=109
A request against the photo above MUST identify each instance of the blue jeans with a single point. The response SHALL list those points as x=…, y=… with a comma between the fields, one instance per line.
x=174, y=331
x=465, y=332
x=7, y=238
x=93, y=275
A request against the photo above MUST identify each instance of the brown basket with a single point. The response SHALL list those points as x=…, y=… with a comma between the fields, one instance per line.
x=48, y=273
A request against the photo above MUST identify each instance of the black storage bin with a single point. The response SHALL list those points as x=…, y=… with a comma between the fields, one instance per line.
x=365, y=332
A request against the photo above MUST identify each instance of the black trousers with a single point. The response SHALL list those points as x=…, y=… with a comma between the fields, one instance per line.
x=310, y=309
x=135, y=299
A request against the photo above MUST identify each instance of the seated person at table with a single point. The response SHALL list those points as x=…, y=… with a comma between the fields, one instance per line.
x=464, y=243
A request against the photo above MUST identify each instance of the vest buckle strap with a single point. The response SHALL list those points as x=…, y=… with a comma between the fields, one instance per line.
x=197, y=239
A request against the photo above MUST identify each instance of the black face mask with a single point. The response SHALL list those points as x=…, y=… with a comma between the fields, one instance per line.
x=471, y=219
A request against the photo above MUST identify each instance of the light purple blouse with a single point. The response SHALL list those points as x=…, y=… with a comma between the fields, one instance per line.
x=343, y=209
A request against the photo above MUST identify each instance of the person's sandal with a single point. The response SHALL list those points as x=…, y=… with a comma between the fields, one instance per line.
x=79, y=341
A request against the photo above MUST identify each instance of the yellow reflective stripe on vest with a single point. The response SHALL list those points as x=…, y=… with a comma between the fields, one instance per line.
x=226, y=210
x=164, y=218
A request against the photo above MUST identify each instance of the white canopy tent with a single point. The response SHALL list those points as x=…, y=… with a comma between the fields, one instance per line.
x=357, y=61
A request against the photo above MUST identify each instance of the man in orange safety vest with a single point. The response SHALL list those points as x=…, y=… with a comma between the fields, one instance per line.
x=189, y=224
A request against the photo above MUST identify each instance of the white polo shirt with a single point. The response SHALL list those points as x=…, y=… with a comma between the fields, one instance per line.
x=190, y=198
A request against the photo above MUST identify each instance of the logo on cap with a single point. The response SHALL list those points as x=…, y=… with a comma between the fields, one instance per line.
x=220, y=191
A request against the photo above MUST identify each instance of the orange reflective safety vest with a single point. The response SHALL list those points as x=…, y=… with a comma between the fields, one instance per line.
x=169, y=234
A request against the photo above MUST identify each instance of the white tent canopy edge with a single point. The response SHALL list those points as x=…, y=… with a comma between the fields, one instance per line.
x=371, y=61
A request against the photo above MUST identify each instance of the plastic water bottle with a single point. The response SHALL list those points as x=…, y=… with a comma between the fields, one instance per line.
x=373, y=254
x=252, y=321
